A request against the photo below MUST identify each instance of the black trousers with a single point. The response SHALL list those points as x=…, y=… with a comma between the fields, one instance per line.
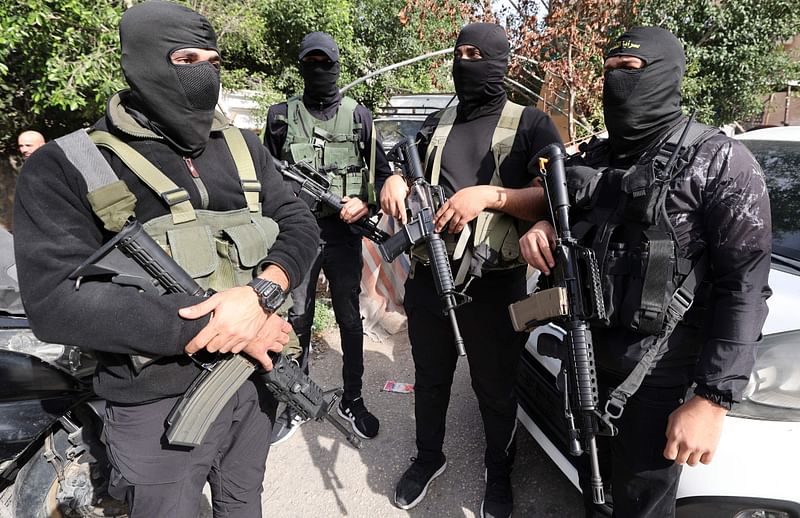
x=341, y=261
x=493, y=352
x=162, y=481
x=643, y=483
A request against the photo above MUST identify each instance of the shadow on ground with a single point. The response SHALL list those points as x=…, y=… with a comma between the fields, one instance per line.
x=316, y=473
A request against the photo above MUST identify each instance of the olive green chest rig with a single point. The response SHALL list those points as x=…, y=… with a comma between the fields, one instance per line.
x=219, y=249
x=491, y=242
x=333, y=146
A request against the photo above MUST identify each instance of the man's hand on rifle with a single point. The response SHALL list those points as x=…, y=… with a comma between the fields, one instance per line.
x=393, y=197
x=537, y=246
x=353, y=209
x=693, y=431
x=463, y=207
x=238, y=323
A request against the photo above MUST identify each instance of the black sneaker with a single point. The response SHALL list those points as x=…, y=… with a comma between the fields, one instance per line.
x=286, y=424
x=498, y=501
x=364, y=424
x=415, y=481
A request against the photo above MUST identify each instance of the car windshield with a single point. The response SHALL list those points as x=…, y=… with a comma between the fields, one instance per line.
x=394, y=130
x=781, y=163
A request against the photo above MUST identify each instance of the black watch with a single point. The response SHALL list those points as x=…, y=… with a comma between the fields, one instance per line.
x=270, y=295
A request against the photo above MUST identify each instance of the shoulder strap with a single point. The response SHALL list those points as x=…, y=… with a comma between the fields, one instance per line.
x=679, y=304
x=109, y=197
x=244, y=165
x=175, y=197
x=438, y=140
x=503, y=136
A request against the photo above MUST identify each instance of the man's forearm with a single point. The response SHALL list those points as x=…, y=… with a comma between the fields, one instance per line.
x=526, y=204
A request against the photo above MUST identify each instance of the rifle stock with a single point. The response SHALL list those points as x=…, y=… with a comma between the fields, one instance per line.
x=133, y=258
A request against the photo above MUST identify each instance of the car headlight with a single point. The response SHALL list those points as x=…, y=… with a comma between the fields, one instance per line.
x=64, y=357
x=773, y=392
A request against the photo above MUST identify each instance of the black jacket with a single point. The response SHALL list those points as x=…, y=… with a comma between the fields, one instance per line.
x=55, y=230
x=718, y=203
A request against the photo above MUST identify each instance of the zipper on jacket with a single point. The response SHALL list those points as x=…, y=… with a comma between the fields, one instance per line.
x=198, y=182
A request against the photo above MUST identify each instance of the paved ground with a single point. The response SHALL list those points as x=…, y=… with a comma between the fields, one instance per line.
x=316, y=473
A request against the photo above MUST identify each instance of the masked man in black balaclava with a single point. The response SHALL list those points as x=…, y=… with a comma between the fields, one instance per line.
x=478, y=151
x=167, y=159
x=712, y=227
x=334, y=134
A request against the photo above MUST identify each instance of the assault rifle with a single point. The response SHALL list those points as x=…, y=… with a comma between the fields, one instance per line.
x=315, y=187
x=575, y=297
x=423, y=201
x=133, y=258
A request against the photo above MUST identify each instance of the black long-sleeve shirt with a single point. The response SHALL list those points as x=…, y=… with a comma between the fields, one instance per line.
x=55, y=231
x=718, y=203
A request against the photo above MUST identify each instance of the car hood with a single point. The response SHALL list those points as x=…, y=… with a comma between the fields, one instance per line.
x=783, y=303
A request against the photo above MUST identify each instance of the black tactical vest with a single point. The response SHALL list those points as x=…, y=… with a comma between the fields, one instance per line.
x=621, y=215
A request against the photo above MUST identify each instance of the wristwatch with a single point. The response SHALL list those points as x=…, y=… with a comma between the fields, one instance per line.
x=270, y=295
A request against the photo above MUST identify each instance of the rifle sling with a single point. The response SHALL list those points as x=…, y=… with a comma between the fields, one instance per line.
x=679, y=304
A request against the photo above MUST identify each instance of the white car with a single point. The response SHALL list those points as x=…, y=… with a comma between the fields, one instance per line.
x=755, y=471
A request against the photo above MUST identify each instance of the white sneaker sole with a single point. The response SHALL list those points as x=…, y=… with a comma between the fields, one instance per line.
x=288, y=435
x=424, y=490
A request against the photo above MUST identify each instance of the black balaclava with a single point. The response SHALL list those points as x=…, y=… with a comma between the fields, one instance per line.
x=479, y=83
x=177, y=101
x=319, y=78
x=641, y=105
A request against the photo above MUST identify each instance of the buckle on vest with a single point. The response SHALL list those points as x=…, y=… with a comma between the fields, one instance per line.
x=251, y=185
x=681, y=302
x=175, y=196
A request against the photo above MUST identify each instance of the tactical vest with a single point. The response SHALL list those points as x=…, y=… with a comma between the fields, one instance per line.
x=218, y=249
x=333, y=145
x=491, y=242
x=641, y=264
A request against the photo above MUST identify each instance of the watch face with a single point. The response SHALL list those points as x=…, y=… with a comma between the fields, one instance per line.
x=270, y=294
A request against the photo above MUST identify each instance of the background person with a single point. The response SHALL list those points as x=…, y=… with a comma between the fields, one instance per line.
x=326, y=129
x=28, y=142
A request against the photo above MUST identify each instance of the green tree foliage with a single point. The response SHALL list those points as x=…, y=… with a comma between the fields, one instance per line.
x=734, y=51
x=58, y=64
x=259, y=40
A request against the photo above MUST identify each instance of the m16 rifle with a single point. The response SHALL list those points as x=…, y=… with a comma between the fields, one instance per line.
x=423, y=201
x=574, y=298
x=133, y=258
x=314, y=188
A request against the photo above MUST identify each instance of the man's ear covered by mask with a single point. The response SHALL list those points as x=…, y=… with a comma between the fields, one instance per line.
x=177, y=101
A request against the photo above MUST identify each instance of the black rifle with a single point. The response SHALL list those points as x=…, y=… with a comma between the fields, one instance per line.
x=423, y=201
x=133, y=258
x=575, y=297
x=314, y=188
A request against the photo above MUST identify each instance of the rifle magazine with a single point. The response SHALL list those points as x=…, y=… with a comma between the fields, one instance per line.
x=199, y=407
x=539, y=308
